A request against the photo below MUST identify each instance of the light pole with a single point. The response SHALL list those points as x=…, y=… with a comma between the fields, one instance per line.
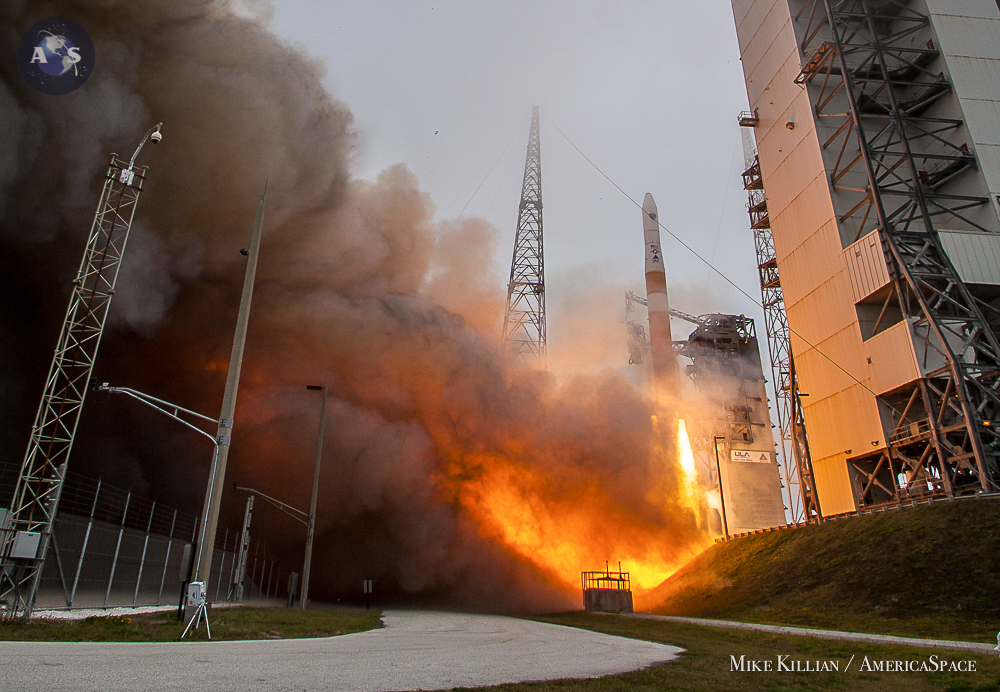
x=722, y=496
x=213, y=493
x=297, y=514
x=311, y=526
x=241, y=569
x=174, y=411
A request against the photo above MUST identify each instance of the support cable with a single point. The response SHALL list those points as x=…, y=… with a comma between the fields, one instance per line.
x=713, y=268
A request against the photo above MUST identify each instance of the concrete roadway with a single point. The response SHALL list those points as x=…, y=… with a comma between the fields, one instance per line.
x=832, y=634
x=415, y=650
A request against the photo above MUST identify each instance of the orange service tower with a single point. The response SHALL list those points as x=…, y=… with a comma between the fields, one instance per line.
x=666, y=374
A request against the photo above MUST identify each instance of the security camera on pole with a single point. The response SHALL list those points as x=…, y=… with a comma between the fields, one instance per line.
x=27, y=527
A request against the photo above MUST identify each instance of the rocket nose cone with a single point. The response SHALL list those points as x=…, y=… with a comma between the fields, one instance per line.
x=649, y=215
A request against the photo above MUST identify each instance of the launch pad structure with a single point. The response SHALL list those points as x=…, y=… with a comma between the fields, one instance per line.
x=726, y=369
x=736, y=448
x=878, y=134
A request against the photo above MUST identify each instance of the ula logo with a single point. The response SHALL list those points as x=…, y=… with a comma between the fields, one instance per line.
x=56, y=56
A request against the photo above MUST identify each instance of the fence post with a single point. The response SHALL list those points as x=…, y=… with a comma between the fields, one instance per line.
x=114, y=563
x=166, y=560
x=62, y=577
x=232, y=573
x=253, y=570
x=222, y=564
x=86, y=538
x=269, y=575
x=142, y=560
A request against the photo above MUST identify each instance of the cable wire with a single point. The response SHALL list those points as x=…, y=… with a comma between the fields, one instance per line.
x=712, y=267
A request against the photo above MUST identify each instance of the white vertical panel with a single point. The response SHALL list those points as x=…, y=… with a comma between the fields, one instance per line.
x=985, y=9
x=976, y=256
x=974, y=37
x=866, y=265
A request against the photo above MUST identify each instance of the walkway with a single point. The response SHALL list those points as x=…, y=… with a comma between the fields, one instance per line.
x=830, y=634
x=415, y=650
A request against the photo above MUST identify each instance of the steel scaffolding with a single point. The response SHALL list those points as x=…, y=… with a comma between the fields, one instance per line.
x=524, y=318
x=27, y=528
x=800, y=486
x=897, y=154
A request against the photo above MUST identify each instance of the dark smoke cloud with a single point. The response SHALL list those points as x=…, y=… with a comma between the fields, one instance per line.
x=357, y=287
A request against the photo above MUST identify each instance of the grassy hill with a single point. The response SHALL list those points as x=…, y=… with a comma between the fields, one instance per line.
x=929, y=571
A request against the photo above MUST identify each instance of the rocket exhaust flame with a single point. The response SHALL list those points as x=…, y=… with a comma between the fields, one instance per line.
x=449, y=476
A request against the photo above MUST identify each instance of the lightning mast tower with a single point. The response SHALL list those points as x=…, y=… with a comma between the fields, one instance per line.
x=27, y=527
x=524, y=319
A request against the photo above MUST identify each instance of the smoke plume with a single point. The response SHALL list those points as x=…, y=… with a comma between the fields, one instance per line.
x=450, y=475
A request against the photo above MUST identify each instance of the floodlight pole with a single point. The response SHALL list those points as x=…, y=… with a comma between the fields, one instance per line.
x=722, y=496
x=311, y=526
x=213, y=493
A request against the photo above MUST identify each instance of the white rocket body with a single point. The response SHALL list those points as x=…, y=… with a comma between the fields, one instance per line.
x=666, y=373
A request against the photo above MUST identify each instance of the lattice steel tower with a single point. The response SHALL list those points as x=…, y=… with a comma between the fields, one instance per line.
x=28, y=525
x=875, y=69
x=524, y=319
x=803, y=501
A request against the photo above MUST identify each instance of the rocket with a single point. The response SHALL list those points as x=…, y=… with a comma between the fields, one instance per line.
x=666, y=374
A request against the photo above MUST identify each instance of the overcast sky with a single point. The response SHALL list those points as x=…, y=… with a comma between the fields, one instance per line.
x=649, y=91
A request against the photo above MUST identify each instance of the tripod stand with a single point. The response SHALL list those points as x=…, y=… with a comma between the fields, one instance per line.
x=196, y=597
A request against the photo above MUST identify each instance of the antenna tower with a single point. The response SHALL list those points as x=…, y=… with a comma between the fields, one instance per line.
x=27, y=527
x=524, y=319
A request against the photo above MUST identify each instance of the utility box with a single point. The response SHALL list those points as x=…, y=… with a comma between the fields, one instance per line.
x=26, y=544
x=606, y=592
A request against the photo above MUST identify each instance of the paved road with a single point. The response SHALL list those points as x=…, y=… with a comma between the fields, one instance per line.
x=415, y=650
x=832, y=634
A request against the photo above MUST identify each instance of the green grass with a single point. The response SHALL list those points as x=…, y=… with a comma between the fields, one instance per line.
x=227, y=623
x=706, y=663
x=928, y=571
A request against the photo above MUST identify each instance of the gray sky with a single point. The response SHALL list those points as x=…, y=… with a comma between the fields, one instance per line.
x=649, y=91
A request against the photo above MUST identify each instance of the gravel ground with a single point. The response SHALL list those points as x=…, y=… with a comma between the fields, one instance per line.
x=82, y=613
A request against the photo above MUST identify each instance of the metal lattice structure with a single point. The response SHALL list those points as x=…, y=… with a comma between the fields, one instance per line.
x=524, y=319
x=899, y=156
x=28, y=525
x=800, y=486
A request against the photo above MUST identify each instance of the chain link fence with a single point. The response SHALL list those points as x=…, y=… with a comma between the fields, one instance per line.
x=111, y=548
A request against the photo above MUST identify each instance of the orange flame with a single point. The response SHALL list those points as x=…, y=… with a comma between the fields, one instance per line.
x=685, y=456
x=569, y=525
